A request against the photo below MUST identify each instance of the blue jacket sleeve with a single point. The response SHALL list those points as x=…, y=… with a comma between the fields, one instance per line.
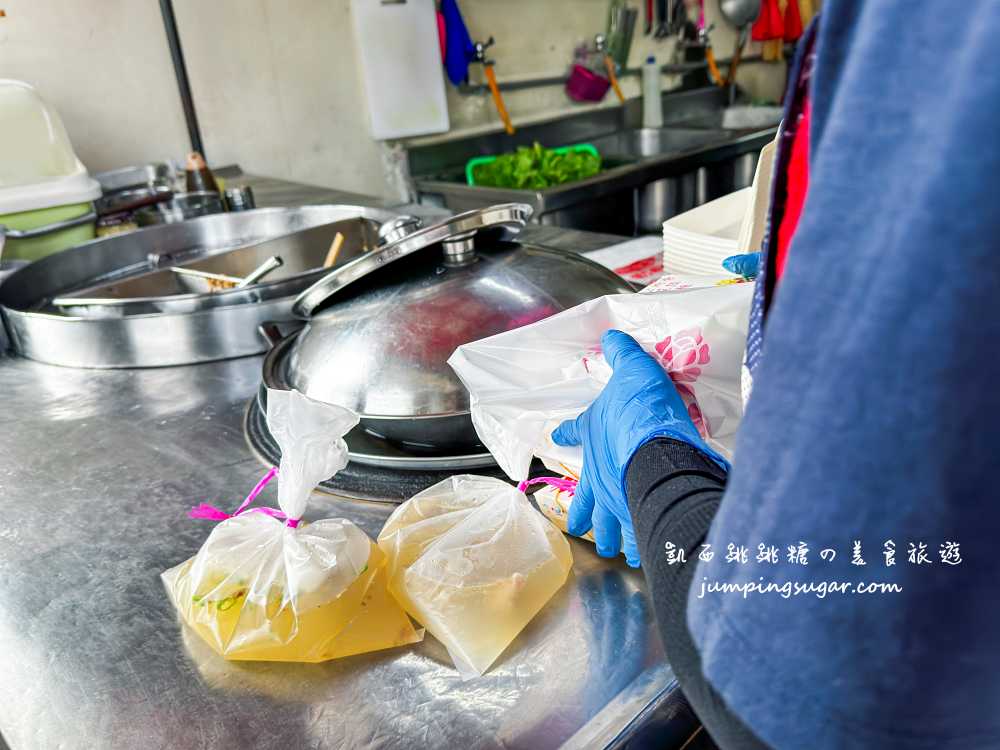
x=874, y=424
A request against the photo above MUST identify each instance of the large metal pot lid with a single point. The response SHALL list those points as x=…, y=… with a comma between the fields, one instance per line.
x=503, y=222
x=381, y=347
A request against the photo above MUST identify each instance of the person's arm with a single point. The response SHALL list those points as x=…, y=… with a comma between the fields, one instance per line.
x=641, y=404
x=639, y=442
x=673, y=492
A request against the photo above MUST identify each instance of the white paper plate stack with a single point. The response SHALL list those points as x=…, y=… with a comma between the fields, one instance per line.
x=697, y=241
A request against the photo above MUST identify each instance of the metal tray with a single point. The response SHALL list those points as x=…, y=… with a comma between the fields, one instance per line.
x=162, y=329
x=159, y=289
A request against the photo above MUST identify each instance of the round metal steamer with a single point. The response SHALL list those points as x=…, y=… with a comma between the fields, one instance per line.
x=114, y=302
x=381, y=328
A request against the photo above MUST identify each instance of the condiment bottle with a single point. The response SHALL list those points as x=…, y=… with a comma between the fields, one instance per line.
x=198, y=176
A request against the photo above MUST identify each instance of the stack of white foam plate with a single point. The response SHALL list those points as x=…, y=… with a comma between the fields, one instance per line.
x=697, y=241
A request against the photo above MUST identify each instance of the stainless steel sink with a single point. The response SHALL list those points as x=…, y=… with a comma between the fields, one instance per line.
x=648, y=175
x=646, y=142
x=735, y=118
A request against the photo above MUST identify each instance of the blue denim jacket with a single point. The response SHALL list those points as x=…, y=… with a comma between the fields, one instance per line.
x=874, y=423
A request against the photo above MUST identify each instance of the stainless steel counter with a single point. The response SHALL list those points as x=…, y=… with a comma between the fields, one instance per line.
x=98, y=471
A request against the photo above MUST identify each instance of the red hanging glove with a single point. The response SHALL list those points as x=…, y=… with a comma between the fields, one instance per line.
x=793, y=21
x=769, y=24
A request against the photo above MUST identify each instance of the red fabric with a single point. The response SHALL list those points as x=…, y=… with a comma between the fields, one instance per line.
x=769, y=24
x=442, y=35
x=793, y=21
x=796, y=187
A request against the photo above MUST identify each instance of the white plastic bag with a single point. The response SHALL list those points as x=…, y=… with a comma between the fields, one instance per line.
x=473, y=562
x=524, y=382
x=264, y=587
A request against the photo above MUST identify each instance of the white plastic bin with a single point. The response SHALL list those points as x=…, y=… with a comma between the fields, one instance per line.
x=46, y=194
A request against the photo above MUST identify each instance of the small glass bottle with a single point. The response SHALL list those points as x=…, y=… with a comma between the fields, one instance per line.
x=198, y=177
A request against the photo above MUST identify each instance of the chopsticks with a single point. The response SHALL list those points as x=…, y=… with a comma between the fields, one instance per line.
x=334, y=251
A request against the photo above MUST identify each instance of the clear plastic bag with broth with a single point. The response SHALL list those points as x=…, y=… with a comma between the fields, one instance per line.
x=265, y=587
x=473, y=562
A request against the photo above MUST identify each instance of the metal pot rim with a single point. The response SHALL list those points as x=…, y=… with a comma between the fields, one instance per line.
x=272, y=290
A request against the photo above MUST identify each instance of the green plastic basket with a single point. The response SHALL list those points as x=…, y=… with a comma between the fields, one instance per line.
x=34, y=248
x=477, y=160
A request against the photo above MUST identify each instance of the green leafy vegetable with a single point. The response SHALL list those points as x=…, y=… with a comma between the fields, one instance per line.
x=535, y=168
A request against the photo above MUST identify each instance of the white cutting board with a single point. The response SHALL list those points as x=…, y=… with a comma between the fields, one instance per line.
x=397, y=43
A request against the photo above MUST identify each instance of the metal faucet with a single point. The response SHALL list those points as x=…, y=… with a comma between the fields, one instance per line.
x=481, y=48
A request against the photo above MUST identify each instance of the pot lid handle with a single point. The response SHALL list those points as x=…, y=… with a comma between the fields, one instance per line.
x=457, y=233
x=396, y=229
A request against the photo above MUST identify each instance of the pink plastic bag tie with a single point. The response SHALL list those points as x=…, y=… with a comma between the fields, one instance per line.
x=214, y=514
x=563, y=484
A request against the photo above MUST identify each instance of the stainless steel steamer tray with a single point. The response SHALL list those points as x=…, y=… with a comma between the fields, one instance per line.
x=155, y=330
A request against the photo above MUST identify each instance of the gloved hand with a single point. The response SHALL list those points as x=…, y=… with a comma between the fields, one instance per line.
x=746, y=265
x=638, y=404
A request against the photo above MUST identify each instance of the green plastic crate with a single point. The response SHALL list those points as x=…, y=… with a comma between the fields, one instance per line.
x=477, y=160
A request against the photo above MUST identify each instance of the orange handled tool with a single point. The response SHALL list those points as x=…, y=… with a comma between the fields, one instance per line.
x=609, y=64
x=491, y=79
x=713, y=68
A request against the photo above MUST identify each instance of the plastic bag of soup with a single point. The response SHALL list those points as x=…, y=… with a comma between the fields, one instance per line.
x=266, y=586
x=524, y=382
x=473, y=562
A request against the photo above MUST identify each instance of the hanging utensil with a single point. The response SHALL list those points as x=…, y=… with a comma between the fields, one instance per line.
x=741, y=14
x=609, y=65
x=741, y=40
x=662, y=19
x=621, y=28
x=491, y=81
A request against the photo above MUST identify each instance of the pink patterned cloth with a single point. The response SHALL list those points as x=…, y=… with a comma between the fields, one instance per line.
x=682, y=356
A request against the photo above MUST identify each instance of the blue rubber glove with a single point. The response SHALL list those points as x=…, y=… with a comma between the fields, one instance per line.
x=746, y=265
x=638, y=404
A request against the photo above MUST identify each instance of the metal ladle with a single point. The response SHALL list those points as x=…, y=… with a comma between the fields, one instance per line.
x=228, y=282
x=740, y=13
